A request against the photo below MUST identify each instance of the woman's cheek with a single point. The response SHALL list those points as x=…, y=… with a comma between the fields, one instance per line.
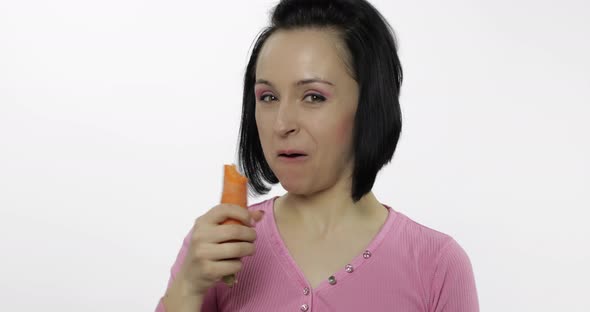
x=261, y=125
x=262, y=121
x=344, y=129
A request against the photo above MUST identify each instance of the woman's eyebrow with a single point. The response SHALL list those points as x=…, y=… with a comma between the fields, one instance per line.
x=313, y=80
x=262, y=81
x=298, y=83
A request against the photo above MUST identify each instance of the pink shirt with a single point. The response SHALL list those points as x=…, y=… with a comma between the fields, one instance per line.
x=406, y=267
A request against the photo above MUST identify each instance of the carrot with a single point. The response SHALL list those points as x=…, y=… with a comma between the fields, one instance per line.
x=235, y=192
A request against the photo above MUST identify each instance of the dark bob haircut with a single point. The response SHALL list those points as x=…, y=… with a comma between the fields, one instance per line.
x=375, y=66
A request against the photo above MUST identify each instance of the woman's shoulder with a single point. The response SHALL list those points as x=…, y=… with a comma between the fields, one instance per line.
x=422, y=233
x=424, y=241
x=265, y=205
x=442, y=262
x=261, y=204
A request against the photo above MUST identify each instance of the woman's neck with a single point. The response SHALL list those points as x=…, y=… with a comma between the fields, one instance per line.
x=328, y=212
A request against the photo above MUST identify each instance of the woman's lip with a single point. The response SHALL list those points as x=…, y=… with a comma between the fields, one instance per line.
x=293, y=159
x=290, y=151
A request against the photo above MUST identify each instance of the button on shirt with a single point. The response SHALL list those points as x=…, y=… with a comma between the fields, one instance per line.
x=406, y=267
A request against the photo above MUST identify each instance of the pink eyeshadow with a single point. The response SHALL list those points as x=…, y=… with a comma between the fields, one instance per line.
x=259, y=92
x=324, y=93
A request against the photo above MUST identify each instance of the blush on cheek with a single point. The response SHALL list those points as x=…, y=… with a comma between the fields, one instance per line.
x=344, y=129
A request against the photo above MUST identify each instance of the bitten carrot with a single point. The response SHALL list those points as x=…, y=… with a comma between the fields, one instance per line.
x=235, y=191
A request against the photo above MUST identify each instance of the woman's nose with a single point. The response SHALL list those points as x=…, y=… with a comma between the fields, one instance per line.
x=286, y=119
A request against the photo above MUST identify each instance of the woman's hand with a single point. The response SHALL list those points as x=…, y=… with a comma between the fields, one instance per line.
x=215, y=250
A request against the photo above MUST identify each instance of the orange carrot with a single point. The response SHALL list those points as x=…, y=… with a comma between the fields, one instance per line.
x=235, y=192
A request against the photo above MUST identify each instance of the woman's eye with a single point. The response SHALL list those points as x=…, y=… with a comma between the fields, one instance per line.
x=264, y=97
x=315, y=97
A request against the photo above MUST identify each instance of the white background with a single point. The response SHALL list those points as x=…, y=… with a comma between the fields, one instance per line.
x=117, y=116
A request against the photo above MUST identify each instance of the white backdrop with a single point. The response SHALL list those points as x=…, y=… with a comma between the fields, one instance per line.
x=117, y=116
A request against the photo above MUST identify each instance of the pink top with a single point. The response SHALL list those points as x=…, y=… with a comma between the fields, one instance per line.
x=406, y=267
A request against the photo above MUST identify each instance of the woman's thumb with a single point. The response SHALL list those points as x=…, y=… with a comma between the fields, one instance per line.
x=257, y=215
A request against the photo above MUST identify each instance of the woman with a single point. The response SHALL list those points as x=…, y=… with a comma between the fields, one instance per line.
x=320, y=116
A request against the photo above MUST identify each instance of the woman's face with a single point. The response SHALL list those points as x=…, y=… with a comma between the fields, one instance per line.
x=306, y=102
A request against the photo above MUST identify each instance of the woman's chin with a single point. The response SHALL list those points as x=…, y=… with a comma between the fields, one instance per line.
x=292, y=187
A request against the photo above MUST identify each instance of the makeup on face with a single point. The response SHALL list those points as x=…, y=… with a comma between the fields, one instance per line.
x=304, y=107
x=312, y=87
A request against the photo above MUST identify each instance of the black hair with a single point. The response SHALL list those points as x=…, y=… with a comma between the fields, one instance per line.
x=371, y=45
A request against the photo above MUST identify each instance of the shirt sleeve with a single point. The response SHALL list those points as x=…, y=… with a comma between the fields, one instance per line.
x=209, y=301
x=453, y=285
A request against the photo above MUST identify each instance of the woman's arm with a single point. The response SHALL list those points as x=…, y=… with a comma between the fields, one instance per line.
x=453, y=286
x=177, y=298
